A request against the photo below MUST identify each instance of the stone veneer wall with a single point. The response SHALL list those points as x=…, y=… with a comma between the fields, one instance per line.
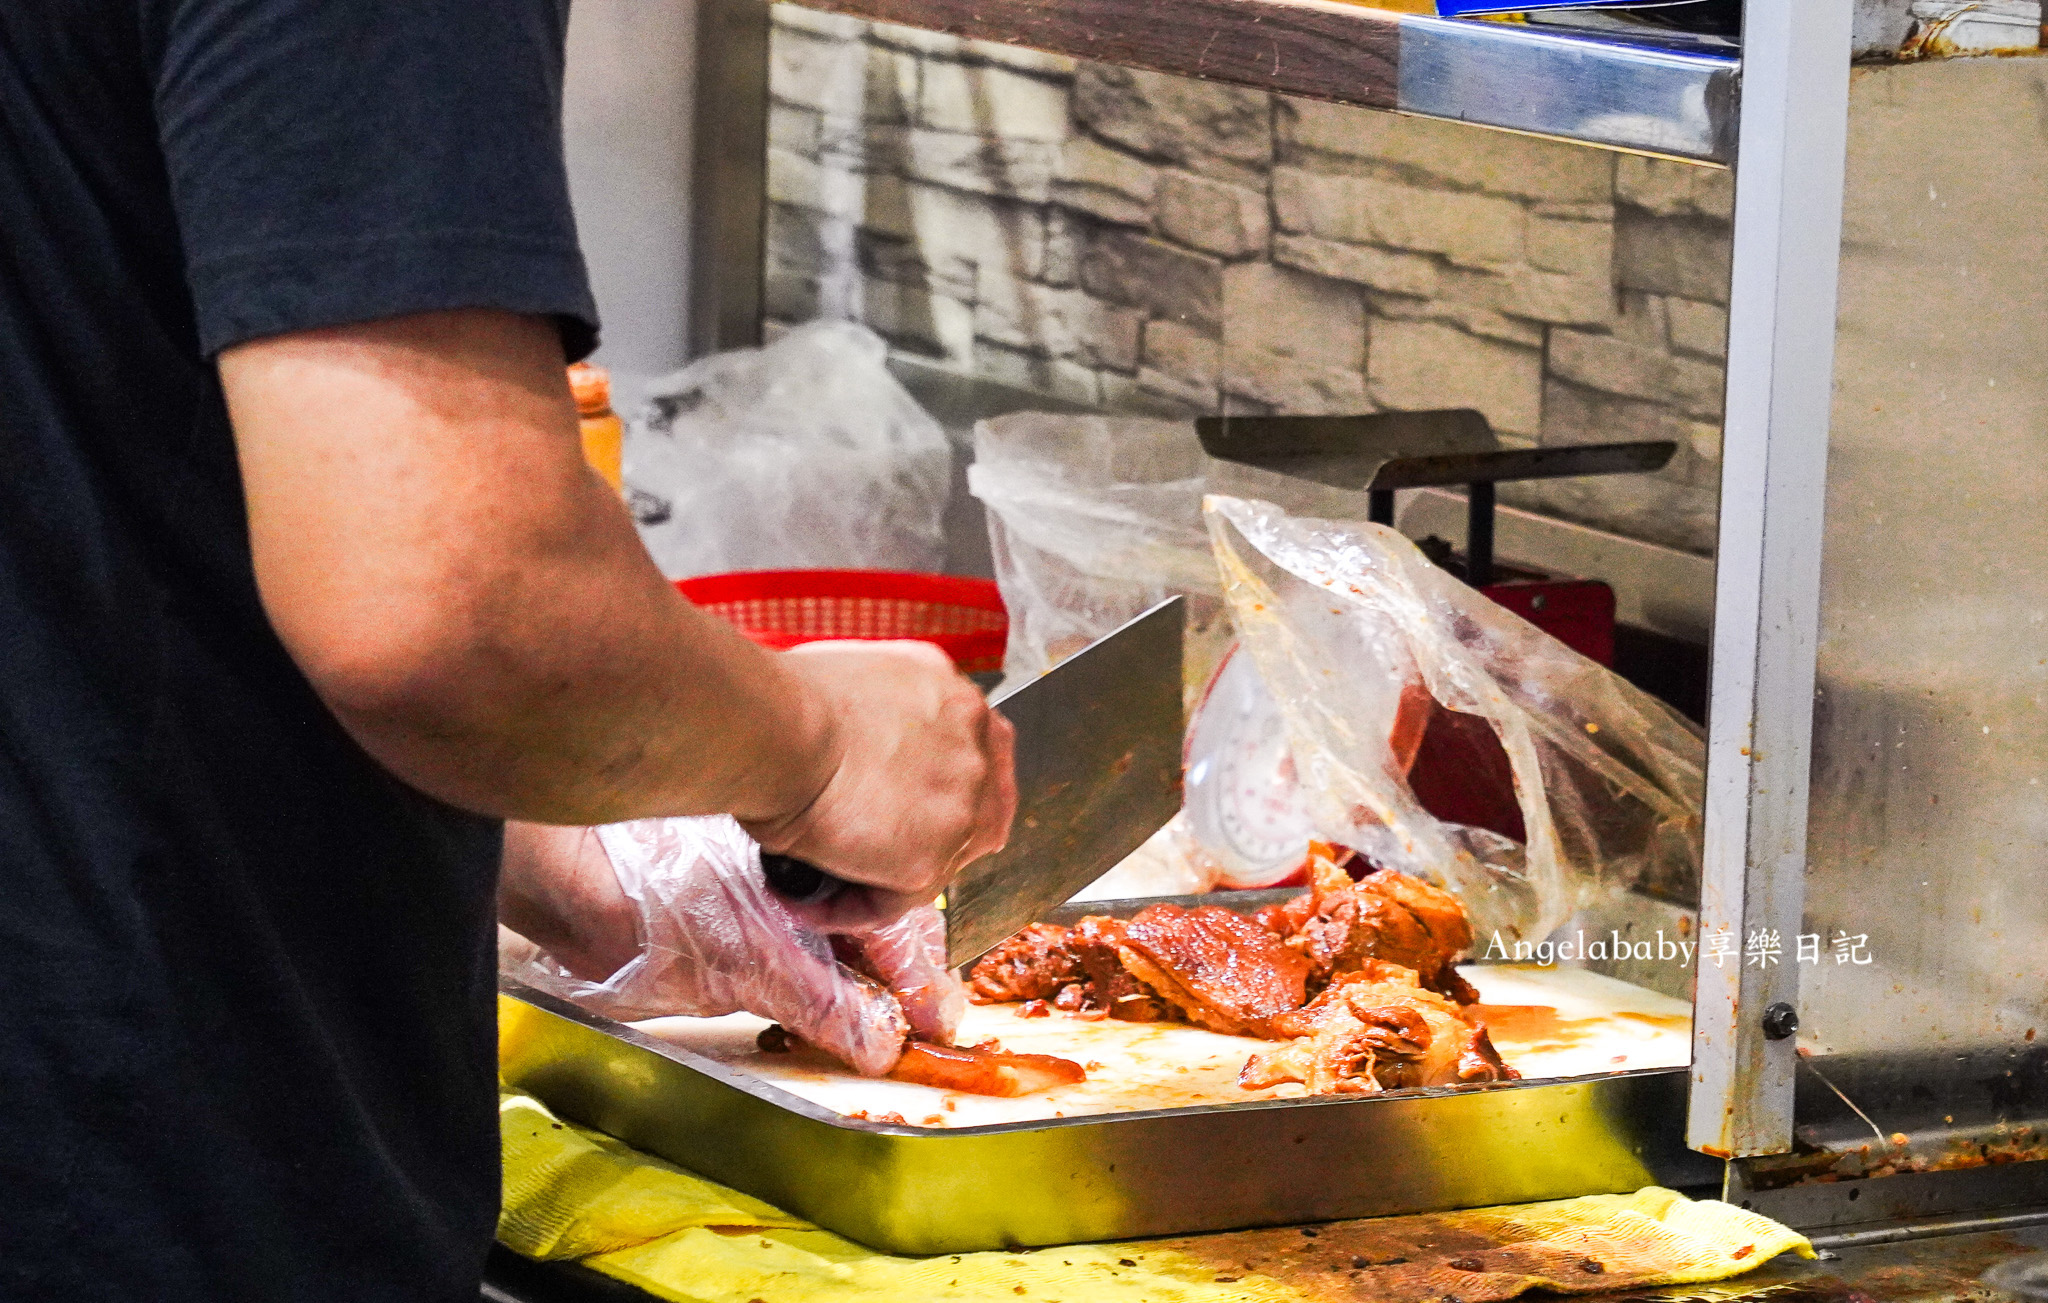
x=1155, y=244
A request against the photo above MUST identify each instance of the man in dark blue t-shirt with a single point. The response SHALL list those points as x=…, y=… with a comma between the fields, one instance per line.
x=303, y=589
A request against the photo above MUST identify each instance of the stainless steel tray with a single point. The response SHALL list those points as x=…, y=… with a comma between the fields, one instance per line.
x=1108, y=1176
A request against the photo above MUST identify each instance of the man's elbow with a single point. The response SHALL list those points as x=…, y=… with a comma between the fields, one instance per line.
x=415, y=667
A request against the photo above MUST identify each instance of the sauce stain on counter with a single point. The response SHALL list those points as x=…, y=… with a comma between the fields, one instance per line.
x=1534, y=1025
x=1540, y=1026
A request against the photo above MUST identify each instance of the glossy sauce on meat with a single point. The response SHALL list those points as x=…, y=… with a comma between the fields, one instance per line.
x=1377, y=1029
x=984, y=1069
x=1032, y=965
x=1078, y=970
x=1220, y=969
x=1359, y=980
x=1338, y=925
x=1097, y=943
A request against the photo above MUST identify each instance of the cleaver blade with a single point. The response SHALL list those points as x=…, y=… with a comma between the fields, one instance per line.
x=1098, y=772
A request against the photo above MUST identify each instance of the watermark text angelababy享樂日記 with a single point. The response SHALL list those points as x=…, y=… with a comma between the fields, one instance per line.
x=1762, y=948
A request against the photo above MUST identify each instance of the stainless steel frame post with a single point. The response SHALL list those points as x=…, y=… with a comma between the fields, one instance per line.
x=1788, y=226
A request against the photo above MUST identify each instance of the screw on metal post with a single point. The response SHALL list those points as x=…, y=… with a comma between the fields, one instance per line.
x=1780, y=1021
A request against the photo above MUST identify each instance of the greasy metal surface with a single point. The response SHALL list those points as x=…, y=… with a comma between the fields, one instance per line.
x=1859, y=1208
x=1602, y=91
x=1984, y=1097
x=1110, y=1176
x=1098, y=772
x=2023, y=1278
x=1930, y=768
x=1409, y=450
x=1599, y=91
x=1947, y=1269
x=1852, y=1237
x=1788, y=191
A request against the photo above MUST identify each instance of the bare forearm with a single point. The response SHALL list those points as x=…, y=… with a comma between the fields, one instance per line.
x=475, y=608
x=473, y=603
x=583, y=689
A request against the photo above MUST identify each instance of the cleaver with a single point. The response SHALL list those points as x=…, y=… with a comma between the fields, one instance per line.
x=1098, y=772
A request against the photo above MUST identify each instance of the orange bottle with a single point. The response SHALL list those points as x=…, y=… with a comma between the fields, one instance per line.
x=604, y=434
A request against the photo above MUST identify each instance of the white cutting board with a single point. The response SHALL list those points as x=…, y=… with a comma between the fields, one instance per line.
x=1546, y=1022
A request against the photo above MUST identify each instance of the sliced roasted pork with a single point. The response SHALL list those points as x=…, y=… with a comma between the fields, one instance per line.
x=1097, y=942
x=1373, y=1029
x=1078, y=970
x=984, y=1069
x=1218, y=968
x=1032, y=965
x=1338, y=925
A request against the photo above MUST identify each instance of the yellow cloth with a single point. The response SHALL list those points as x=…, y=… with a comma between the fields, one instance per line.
x=573, y=1193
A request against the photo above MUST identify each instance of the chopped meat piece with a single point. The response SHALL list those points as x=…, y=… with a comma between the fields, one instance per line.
x=1378, y=955
x=1338, y=924
x=1462, y=775
x=1033, y=965
x=1290, y=915
x=1097, y=943
x=1220, y=969
x=1377, y=1029
x=1080, y=971
x=1440, y=914
x=984, y=1069
x=1479, y=1061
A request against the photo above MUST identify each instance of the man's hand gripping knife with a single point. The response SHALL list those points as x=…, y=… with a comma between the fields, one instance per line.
x=713, y=939
x=472, y=603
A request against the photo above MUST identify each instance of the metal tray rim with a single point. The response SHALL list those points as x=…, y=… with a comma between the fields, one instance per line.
x=749, y=1084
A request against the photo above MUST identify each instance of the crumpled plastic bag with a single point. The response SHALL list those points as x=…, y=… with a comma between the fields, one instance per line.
x=1095, y=520
x=804, y=454
x=1342, y=618
x=715, y=940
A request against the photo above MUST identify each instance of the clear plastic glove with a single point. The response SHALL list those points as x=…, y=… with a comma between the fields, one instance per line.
x=908, y=956
x=714, y=940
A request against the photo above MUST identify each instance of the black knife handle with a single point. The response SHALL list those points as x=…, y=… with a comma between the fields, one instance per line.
x=798, y=881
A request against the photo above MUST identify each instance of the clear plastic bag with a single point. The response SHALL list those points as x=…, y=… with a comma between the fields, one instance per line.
x=804, y=454
x=1094, y=520
x=1349, y=624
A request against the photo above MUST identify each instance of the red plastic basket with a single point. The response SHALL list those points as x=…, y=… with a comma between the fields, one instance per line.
x=783, y=608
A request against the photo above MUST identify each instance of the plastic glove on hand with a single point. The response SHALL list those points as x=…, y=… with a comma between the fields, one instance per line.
x=909, y=957
x=714, y=940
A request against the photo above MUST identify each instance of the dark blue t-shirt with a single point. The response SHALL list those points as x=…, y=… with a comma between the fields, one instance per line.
x=246, y=996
